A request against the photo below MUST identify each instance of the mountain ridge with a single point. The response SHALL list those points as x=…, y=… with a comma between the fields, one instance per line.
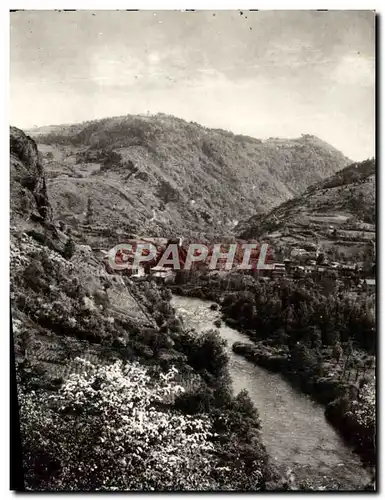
x=165, y=176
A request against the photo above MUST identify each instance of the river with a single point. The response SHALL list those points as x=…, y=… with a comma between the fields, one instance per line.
x=294, y=429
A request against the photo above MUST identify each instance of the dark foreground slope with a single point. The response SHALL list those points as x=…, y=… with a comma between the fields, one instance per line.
x=336, y=214
x=161, y=175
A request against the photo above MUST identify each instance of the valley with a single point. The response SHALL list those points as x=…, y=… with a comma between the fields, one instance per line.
x=193, y=265
x=77, y=193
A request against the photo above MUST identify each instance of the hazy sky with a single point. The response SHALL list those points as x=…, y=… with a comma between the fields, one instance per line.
x=263, y=74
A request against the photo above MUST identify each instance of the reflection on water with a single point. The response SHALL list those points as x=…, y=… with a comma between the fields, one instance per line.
x=294, y=429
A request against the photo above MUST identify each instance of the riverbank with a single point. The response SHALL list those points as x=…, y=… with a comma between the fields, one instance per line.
x=338, y=396
x=323, y=347
x=294, y=430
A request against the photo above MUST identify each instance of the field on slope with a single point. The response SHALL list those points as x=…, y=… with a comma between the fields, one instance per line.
x=162, y=176
x=338, y=215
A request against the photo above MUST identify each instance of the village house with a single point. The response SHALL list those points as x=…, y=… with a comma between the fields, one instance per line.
x=162, y=274
x=370, y=285
x=278, y=269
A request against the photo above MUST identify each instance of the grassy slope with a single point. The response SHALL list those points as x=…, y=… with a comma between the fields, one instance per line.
x=189, y=179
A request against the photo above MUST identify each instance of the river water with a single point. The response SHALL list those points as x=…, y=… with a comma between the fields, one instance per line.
x=294, y=429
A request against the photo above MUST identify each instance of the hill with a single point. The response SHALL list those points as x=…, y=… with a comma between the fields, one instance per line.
x=337, y=215
x=162, y=176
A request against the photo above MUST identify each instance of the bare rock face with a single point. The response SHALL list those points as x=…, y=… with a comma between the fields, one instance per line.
x=29, y=200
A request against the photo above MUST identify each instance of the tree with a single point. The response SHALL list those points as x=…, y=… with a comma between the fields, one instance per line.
x=368, y=364
x=337, y=351
x=205, y=352
x=89, y=213
x=111, y=159
x=315, y=340
x=69, y=249
x=348, y=354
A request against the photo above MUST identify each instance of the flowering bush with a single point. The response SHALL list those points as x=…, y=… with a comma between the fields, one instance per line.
x=106, y=429
x=360, y=420
x=364, y=408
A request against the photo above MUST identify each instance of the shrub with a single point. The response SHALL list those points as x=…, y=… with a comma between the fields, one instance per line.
x=167, y=193
x=69, y=249
x=205, y=352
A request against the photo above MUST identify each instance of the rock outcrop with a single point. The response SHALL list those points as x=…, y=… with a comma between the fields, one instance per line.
x=29, y=200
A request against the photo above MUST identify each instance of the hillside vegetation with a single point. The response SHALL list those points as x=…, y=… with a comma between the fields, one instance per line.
x=337, y=214
x=161, y=175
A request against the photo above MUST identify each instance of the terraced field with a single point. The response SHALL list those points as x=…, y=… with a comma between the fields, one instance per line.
x=337, y=215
